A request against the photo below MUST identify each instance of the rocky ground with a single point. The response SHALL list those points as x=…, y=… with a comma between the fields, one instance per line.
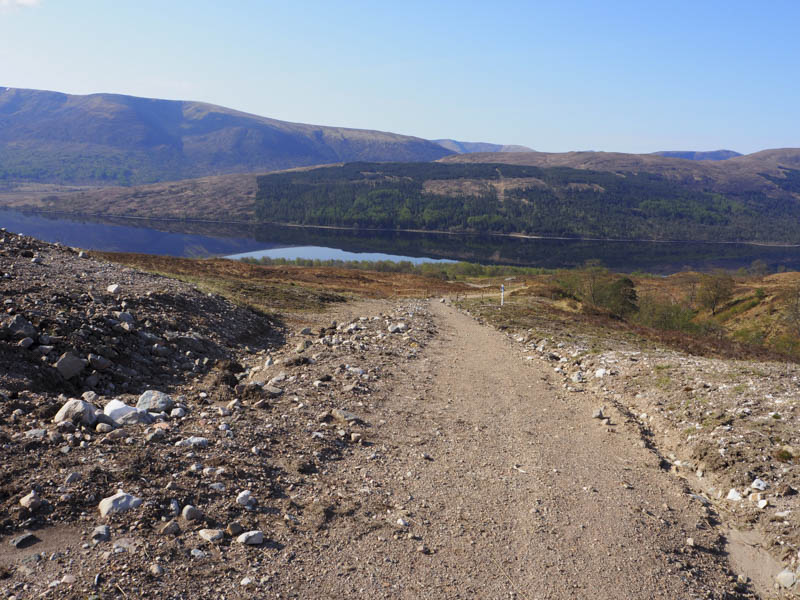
x=160, y=442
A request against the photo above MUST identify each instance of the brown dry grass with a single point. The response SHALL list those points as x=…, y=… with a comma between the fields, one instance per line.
x=278, y=288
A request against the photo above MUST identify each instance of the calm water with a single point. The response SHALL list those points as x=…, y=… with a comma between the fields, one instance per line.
x=209, y=239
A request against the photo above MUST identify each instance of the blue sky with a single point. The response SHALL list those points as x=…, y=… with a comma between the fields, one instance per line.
x=555, y=76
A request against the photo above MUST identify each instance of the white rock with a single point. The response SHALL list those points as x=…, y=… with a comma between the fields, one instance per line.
x=763, y=503
x=113, y=288
x=251, y=538
x=177, y=413
x=211, y=535
x=32, y=501
x=759, y=484
x=245, y=498
x=155, y=401
x=116, y=409
x=600, y=373
x=786, y=578
x=734, y=496
x=194, y=442
x=77, y=411
x=118, y=503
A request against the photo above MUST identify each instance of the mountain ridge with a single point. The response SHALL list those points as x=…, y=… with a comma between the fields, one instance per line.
x=114, y=138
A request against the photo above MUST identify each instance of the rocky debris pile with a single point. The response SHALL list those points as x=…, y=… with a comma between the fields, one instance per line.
x=235, y=463
x=72, y=323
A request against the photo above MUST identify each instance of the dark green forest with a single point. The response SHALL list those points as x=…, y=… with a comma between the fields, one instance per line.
x=563, y=202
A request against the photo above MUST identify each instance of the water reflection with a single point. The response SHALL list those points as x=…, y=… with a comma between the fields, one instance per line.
x=203, y=239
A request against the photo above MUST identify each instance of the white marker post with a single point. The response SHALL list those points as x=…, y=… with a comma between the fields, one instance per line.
x=502, y=293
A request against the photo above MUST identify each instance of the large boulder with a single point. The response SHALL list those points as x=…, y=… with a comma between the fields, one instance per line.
x=70, y=365
x=118, y=503
x=155, y=401
x=77, y=411
x=123, y=414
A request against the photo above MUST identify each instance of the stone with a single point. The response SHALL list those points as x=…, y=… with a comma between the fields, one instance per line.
x=211, y=535
x=117, y=410
x=77, y=411
x=598, y=414
x=101, y=533
x=103, y=428
x=197, y=553
x=155, y=401
x=251, y=538
x=759, y=484
x=24, y=540
x=177, y=413
x=73, y=477
x=305, y=331
x=234, y=529
x=113, y=288
x=101, y=363
x=171, y=528
x=733, y=495
x=272, y=391
x=32, y=501
x=786, y=578
x=70, y=365
x=36, y=434
x=398, y=328
x=344, y=416
x=577, y=377
x=20, y=327
x=192, y=513
x=25, y=343
x=600, y=373
x=156, y=570
x=245, y=499
x=118, y=503
x=193, y=442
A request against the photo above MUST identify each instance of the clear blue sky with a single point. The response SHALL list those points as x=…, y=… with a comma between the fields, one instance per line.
x=554, y=75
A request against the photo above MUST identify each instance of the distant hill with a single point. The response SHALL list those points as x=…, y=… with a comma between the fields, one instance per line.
x=469, y=147
x=458, y=194
x=115, y=139
x=692, y=155
x=762, y=172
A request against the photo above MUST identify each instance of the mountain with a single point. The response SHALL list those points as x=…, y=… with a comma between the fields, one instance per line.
x=470, y=147
x=692, y=155
x=115, y=139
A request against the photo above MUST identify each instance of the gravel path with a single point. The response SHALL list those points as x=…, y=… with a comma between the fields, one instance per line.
x=524, y=495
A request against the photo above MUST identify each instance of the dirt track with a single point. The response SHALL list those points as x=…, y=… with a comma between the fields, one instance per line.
x=518, y=492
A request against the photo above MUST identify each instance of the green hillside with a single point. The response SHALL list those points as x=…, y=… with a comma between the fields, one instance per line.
x=502, y=198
